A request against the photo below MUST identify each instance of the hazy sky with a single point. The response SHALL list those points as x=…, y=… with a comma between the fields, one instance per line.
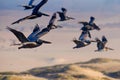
x=76, y=5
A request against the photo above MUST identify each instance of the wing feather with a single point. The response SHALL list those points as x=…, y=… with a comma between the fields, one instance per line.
x=21, y=37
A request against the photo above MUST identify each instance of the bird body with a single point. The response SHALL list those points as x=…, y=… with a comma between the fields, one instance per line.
x=30, y=42
x=89, y=25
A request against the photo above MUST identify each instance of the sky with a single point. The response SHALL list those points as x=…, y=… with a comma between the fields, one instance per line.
x=77, y=5
x=60, y=51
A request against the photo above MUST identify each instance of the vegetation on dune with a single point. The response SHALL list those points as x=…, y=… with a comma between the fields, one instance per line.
x=19, y=77
x=8, y=73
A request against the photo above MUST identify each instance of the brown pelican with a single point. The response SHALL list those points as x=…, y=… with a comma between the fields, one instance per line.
x=89, y=25
x=101, y=45
x=82, y=41
x=63, y=16
x=33, y=40
x=29, y=6
x=35, y=13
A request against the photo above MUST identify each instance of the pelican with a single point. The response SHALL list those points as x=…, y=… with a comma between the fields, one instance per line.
x=33, y=40
x=89, y=25
x=28, y=42
x=82, y=41
x=35, y=13
x=63, y=16
x=29, y=6
x=101, y=45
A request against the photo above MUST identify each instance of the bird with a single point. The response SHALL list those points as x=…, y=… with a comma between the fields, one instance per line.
x=29, y=6
x=28, y=42
x=89, y=25
x=82, y=41
x=35, y=13
x=63, y=16
x=101, y=44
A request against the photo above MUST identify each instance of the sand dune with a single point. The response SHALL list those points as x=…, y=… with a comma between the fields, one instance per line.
x=90, y=70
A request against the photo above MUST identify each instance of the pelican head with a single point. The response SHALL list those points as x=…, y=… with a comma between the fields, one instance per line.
x=63, y=9
x=92, y=18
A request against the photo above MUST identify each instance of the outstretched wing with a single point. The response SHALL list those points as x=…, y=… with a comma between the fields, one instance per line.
x=83, y=36
x=22, y=19
x=37, y=28
x=21, y=37
x=61, y=15
x=53, y=18
x=104, y=40
x=31, y=2
x=79, y=43
x=32, y=37
x=36, y=9
x=95, y=26
x=42, y=33
x=51, y=22
x=84, y=23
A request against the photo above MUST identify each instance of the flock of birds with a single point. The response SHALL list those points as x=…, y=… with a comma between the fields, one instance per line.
x=33, y=40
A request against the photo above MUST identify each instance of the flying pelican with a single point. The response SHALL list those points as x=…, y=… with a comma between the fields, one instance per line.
x=35, y=13
x=101, y=45
x=36, y=29
x=28, y=42
x=89, y=25
x=82, y=41
x=29, y=6
x=63, y=16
